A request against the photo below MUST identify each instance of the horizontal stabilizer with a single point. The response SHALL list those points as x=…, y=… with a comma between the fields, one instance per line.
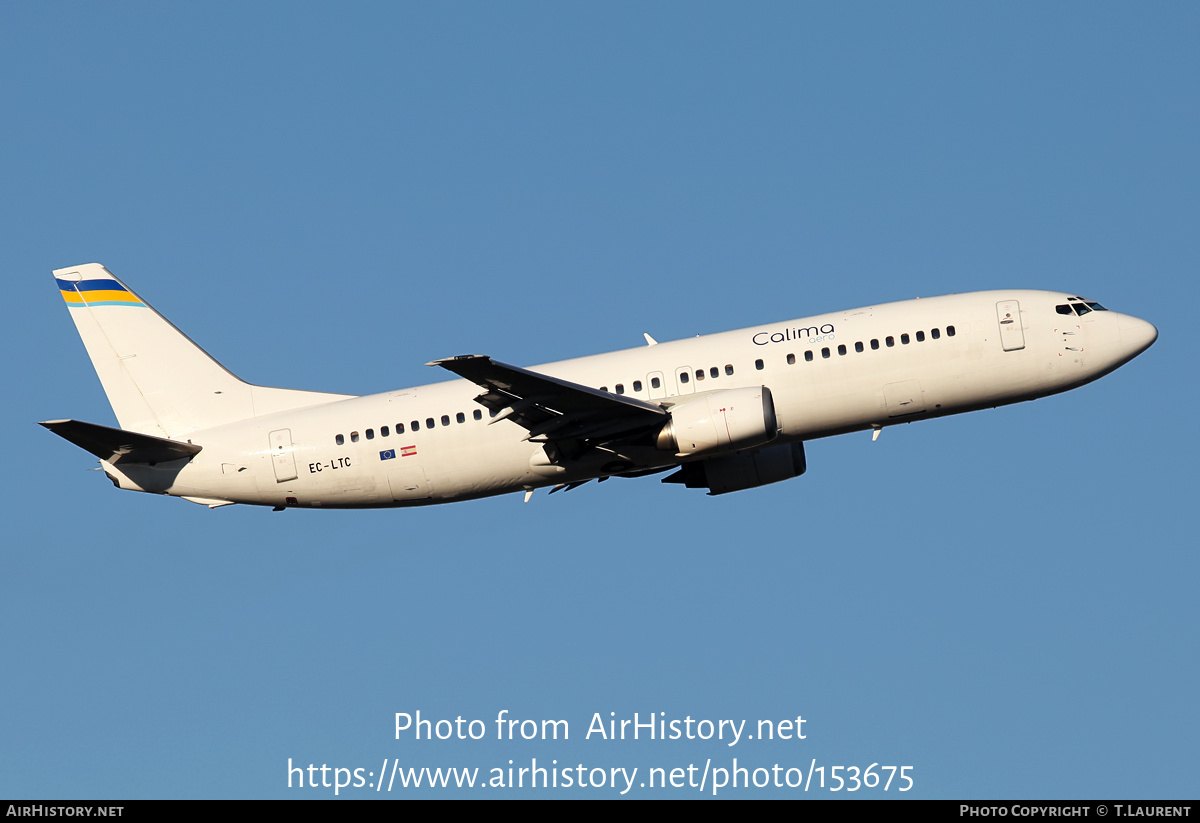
x=118, y=445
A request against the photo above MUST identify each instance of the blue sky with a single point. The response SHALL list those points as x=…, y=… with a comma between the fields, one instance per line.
x=328, y=198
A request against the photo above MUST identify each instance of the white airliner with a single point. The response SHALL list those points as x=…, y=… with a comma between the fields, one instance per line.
x=729, y=411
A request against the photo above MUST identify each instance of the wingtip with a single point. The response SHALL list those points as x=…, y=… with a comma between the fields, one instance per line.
x=443, y=361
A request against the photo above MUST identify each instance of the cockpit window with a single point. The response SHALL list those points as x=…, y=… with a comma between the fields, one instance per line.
x=1080, y=308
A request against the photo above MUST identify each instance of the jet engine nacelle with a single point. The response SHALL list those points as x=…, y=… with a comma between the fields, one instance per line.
x=734, y=472
x=722, y=421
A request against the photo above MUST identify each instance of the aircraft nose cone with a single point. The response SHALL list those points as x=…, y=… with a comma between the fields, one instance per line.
x=1137, y=334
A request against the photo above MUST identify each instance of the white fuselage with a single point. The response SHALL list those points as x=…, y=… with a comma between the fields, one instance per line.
x=829, y=374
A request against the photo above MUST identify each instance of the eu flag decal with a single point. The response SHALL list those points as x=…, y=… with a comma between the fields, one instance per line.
x=387, y=455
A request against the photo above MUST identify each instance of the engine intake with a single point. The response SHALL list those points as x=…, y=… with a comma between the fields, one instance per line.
x=729, y=420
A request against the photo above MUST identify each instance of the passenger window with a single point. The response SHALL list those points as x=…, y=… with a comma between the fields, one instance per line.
x=842, y=349
x=445, y=420
x=791, y=359
x=620, y=388
x=728, y=368
x=808, y=356
x=714, y=372
x=858, y=346
x=890, y=341
x=949, y=331
x=604, y=388
x=683, y=377
x=904, y=339
x=637, y=385
x=824, y=352
x=874, y=344
x=920, y=337
x=384, y=431
x=340, y=440
x=416, y=425
x=399, y=428
x=699, y=374
x=758, y=364
x=460, y=417
x=353, y=437
x=370, y=434
x=429, y=422
x=935, y=334
x=655, y=382
x=477, y=414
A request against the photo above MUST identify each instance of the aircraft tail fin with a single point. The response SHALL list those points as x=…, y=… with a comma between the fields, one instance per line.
x=157, y=380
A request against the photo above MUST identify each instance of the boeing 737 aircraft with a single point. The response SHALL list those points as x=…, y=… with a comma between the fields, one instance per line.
x=727, y=411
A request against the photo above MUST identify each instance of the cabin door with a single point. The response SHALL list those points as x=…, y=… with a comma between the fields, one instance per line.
x=283, y=457
x=1008, y=314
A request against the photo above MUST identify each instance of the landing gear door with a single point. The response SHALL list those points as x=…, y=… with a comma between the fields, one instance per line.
x=1008, y=314
x=283, y=457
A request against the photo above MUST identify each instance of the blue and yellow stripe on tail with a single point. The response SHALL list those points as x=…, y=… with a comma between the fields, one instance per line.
x=98, y=292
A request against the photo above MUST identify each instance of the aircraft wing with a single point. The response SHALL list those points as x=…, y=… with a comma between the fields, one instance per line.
x=551, y=408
